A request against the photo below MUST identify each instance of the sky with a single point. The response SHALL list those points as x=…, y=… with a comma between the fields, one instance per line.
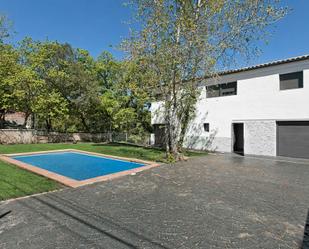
x=97, y=25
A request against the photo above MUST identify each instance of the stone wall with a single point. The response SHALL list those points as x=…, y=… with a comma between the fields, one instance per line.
x=260, y=137
x=20, y=136
x=13, y=136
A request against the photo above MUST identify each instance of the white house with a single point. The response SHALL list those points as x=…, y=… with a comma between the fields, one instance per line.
x=259, y=110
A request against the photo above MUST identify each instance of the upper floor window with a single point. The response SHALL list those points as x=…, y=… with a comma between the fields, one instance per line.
x=226, y=89
x=291, y=81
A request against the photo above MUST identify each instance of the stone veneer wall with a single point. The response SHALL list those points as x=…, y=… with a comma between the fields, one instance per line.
x=16, y=136
x=260, y=137
x=20, y=136
x=13, y=136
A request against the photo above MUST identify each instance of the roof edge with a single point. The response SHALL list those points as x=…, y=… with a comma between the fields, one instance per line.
x=263, y=65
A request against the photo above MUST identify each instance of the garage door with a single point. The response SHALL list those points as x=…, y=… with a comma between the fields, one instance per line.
x=293, y=139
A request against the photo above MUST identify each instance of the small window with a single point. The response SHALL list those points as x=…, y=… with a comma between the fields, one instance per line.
x=229, y=89
x=213, y=91
x=226, y=89
x=291, y=81
x=206, y=127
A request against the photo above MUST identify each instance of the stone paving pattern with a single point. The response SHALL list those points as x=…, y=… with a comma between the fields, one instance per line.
x=207, y=202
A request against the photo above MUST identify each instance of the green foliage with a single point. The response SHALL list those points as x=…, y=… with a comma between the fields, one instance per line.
x=125, y=118
x=9, y=75
x=51, y=107
x=108, y=70
x=65, y=89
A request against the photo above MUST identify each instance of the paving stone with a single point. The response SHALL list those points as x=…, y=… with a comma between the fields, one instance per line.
x=208, y=202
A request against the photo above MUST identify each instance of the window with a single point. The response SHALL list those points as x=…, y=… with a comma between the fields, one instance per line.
x=206, y=127
x=213, y=91
x=291, y=81
x=226, y=89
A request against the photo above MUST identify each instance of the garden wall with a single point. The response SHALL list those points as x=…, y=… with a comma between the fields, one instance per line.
x=12, y=136
x=23, y=136
x=15, y=136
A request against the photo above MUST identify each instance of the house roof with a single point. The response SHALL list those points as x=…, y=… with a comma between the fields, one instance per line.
x=273, y=63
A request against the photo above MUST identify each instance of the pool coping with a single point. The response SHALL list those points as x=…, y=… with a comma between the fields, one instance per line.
x=69, y=181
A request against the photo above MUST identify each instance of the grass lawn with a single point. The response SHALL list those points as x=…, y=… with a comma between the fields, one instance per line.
x=150, y=154
x=15, y=182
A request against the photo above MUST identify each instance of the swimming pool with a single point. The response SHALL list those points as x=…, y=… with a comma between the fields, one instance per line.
x=75, y=168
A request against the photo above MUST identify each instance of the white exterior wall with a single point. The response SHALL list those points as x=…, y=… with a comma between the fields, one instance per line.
x=259, y=103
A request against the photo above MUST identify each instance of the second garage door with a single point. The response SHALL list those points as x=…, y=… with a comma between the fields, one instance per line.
x=293, y=139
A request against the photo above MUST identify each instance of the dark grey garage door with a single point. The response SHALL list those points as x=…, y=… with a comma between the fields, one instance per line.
x=293, y=139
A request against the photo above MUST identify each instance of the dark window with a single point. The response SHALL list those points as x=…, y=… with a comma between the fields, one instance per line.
x=291, y=81
x=213, y=91
x=206, y=127
x=226, y=89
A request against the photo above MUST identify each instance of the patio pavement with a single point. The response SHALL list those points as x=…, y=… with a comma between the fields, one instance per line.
x=208, y=202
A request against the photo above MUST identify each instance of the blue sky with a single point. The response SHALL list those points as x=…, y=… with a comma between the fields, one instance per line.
x=95, y=25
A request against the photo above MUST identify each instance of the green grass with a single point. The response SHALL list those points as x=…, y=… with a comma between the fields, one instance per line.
x=15, y=182
x=122, y=150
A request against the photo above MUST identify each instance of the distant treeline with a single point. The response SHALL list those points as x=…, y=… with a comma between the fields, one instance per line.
x=65, y=89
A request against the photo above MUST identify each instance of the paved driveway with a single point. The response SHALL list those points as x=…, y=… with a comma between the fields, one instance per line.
x=209, y=202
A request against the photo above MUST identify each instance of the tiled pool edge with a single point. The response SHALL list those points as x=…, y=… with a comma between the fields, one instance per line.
x=71, y=182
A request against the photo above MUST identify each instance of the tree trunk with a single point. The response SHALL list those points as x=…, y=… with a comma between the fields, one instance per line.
x=182, y=134
x=33, y=126
x=185, y=119
x=48, y=125
x=174, y=135
x=86, y=127
x=110, y=133
x=27, y=114
x=2, y=119
x=172, y=129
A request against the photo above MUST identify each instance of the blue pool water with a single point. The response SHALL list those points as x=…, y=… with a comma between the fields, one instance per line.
x=76, y=165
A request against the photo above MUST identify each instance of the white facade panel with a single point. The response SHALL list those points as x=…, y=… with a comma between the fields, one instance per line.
x=258, y=104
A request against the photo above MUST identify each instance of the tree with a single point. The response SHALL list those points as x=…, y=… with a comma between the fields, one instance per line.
x=38, y=94
x=117, y=116
x=27, y=88
x=108, y=70
x=52, y=108
x=66, y=89
x=65, y=73
x=134, y=95
x=181, y=41
x=9, y=70
x=8, y=67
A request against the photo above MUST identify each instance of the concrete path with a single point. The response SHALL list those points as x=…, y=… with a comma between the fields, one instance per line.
x=209, y=202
